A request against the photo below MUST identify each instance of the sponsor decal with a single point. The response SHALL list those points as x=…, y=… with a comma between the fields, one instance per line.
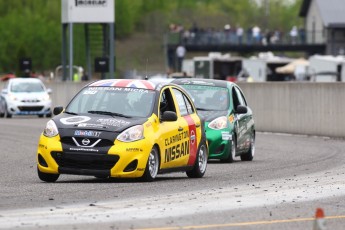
x=176, y=151
x=87, y=133
x=42, y=146
x=250, y=123
x=87, y=125
x=74, y=120
x=90, y=92
x=193, y=144
x=91, y=3
x=134, y=149
x=112, y=122
x=226, y=136
x=148, y=124
x=83, y=150
x=192, y=137
x=176, y=138
x=231, y=118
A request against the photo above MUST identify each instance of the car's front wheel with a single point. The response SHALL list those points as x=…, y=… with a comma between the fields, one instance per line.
x=47, y=177
x=7, y=114
x=200, y=164
x=152, y=166
x=248, y=156
x=232, y=153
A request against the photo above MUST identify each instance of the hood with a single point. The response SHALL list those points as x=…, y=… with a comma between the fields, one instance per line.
x=211, y=115
x=96, y=122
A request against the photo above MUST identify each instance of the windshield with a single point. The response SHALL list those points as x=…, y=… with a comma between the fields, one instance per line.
x=113, y=101
x=26, y=87
x=208, y=97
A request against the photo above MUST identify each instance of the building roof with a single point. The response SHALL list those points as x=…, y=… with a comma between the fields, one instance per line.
x=331, y=11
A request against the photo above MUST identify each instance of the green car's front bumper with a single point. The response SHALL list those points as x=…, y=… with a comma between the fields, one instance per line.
x=219, y=143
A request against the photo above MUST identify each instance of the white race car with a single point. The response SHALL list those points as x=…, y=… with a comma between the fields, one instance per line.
x=25, y=96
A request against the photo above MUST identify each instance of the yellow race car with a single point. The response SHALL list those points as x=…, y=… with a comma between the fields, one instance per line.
x=124, y=128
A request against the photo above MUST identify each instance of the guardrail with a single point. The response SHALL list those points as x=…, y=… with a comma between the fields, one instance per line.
x=283, y=107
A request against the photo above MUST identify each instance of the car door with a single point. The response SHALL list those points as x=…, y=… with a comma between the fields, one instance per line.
x=191, y=124
x=174, y=135
x=241, y=119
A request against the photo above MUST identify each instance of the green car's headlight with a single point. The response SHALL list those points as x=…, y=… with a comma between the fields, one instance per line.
x=50, y=129
x=132, y=134
x=218, y=123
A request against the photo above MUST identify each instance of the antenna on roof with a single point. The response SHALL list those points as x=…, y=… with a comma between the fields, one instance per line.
x=146, y=77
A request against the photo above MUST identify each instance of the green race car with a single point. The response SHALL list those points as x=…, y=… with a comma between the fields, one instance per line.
x=229, y=123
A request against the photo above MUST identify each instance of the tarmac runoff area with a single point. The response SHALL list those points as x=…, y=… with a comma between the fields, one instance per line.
x=308, y=187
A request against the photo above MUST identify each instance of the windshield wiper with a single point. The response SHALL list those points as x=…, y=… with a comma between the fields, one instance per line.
x=71, y=113
x=108, y=113
x=203, y=109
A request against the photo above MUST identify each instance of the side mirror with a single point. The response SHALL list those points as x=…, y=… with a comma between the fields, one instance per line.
x=241, y=109
x=169, y=116
x=49, y=91
x=57, y=110
x=4, y=91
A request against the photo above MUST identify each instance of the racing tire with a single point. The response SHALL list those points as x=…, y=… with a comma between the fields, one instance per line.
x=47, y=177
x=232, y=153
x=152, y=166
x=248, y=156
x=7, y=114
x=200, y=164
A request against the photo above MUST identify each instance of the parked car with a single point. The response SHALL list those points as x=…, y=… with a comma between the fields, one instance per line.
x=229, y=123
x=124, y=128
x=25, y=96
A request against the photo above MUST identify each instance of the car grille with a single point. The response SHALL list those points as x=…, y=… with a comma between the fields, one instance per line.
x=30, y=100
x=101, y=143
x=85, y=160
x=30, y=108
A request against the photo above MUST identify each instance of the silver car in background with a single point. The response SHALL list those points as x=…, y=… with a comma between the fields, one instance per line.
x=25, y=96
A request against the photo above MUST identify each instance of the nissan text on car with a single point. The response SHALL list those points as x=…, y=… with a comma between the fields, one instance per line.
x=25, y=96
x=126, y=129
x=229, y=123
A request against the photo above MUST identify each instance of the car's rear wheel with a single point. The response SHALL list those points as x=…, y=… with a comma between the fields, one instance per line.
x=200, y=164
x=152, y=166
x=47, y=177
x=248, y=156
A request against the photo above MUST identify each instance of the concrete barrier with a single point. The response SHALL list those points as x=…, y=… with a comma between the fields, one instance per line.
x=284, y=107
x=299, y=108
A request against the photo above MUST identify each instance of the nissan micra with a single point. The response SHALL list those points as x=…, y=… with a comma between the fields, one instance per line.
x=126, y=129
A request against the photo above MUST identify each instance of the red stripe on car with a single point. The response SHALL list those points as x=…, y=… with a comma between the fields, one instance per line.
x=193, y=145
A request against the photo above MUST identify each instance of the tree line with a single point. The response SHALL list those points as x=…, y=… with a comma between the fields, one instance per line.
x=32, y=28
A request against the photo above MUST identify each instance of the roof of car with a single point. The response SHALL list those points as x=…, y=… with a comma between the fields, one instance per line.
x=202, y=81
x=131, y=83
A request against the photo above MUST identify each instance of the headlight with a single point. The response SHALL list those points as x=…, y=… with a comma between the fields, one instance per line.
x=132, y=134
x=218, y=123
x=12, y=97
x=50, y=129
x=46, y=97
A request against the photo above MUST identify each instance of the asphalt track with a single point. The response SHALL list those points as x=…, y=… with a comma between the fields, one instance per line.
x=290, y=177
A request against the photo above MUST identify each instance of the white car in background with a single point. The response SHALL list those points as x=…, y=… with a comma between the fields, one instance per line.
x=25, y=96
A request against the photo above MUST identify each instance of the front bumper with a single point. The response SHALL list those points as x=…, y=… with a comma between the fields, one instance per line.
x=29, y=108
x=127, y=160
x=219, y=143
